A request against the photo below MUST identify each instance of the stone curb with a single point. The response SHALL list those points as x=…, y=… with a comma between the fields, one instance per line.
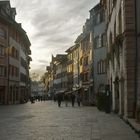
x=132, y=123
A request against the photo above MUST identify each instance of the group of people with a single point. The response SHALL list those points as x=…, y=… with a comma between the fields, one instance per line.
x=68, y=97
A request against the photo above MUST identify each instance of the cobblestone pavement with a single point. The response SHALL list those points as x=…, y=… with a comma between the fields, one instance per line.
x=46, y=121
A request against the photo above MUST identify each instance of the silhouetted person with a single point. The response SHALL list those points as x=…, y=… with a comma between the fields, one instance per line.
x=32, y=100
x=66, y=98
x=54, y=98
x=78, y=98
x=72, y=99
x=59, y=99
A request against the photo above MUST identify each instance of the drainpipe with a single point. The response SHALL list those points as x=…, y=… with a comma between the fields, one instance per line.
x=136, y=58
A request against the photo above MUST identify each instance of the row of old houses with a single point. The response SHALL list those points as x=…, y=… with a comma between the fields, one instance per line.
x=105, y=56
x=83, y=68
x=14, y=57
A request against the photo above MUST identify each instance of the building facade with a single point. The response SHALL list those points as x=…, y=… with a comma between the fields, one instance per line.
x=76, y=74
x=137, y=5
x=47, y=79
x=98, y=27
x=123, y=55
x=69, y=52
x=60, y=76
x=12, y=39
x=106, y=53
x=85, y=63
x=52, y=76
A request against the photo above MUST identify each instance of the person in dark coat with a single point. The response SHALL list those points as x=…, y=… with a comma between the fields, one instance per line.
x=59, y=99
x=66, y=98
x=78, y=98
x=54, y=98
x=32, y=100
x=72, y=99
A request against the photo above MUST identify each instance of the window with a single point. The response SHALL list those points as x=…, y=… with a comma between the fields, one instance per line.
x=102, y=15
x=110, y=41
x=2, y=70
x=86, y=61
x=13, y=71
x=2, y=33
x=2, y=51
x=23, y=63
x=115, y=30
x=96, y=42
x=23, y=77
x=105, y=66
x=103, y=40
x=81, y=60
x=68, y=68
x=101, y=67
x=98, y=18
x=14, y=53
x=120, y=22
x=85, y=77
x=17, y=72
x=114, y=2
x=98, y=67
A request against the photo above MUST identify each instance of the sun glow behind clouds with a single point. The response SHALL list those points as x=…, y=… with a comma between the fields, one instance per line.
x=52, y=26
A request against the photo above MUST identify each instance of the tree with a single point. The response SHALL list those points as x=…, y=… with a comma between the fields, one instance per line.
x=34, y=76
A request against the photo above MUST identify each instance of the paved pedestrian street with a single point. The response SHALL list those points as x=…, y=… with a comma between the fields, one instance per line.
x=46, y=121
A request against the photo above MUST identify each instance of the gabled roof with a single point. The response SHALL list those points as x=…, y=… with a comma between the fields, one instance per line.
x=79, y=38
x=60, y=58
x=95, y=8
x=70, y=49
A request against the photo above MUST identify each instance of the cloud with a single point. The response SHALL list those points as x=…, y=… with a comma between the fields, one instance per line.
x=43, y=61
x=52, y=25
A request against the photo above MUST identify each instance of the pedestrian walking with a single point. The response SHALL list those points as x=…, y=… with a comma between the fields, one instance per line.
x=59, y=99
x=72, y=99
x=66, y=98
x=78, y=98
x=54, y=98
x=32, y=100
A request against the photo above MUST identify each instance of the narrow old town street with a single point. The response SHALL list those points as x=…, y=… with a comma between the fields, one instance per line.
x=46, y=121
